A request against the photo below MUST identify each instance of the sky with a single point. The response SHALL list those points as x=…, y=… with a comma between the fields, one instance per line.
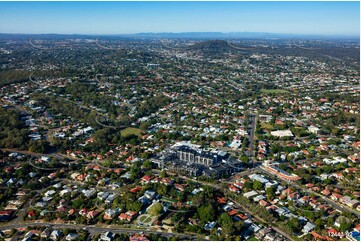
x=320, y=18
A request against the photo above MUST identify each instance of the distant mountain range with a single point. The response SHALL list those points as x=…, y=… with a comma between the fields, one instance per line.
x=185, y=35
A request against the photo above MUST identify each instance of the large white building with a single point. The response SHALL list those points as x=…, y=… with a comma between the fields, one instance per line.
x=313, y=129
x=282, y=133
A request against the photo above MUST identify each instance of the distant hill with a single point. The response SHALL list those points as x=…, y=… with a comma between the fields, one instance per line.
x=210, y=45
x=185, y=35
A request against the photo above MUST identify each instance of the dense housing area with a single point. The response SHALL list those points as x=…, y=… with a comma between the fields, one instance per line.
x=179, y=139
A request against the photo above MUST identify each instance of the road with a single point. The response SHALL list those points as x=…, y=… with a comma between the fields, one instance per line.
x=97, y=229
x=244, y=173
x=252, y=131
x=24, y=152
x=106, y=47
x=35, y=154
x=236, y=47
x=37, y=47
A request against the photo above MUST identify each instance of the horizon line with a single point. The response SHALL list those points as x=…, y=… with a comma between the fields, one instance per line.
x=191, y=32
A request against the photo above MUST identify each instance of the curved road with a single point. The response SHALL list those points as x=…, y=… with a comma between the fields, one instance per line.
x=105, y=47
x=37, y=47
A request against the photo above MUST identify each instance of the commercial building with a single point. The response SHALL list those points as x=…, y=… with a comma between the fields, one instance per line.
x=194, y=161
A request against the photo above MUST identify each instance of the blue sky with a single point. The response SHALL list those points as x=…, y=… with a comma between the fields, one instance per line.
x=325, y=18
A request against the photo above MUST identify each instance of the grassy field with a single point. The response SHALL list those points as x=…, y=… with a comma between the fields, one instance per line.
x=274, y=91
x=129, y=131
x=252, y=239
x=147, y=220
x=266, y=126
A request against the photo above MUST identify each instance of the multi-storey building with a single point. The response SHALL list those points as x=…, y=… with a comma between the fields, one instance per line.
x=194, y=161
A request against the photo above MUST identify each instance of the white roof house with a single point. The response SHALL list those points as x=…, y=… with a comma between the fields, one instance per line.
x=313, y=129
x=308, y=227
x=250, y=194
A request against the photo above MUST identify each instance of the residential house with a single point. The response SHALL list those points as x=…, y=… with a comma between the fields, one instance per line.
x=110, y=198
x=5, y=215
x=326, y=192
x=263, y=203
x=89, y=192
x=102, y=195
x=137, y=237
x=308, y=227
x=45, y=234
x=92, y=214
x=250, y=194
x=233, y=188
x=335, y=196
x=262, y=233
x=259, y=198
x=210, y=225
x=129, y=216
x=145, y=179
x=55, y=235
x=107, y=236
x=71, y=237
x=179, y=187
x=110, y=213
x=167, y=181
x=83, y=212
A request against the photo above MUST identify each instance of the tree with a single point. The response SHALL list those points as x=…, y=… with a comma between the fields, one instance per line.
x=270, y=191
x=147, y=164
x=257, y=185
x=39, y=146
x=330, y=221
x=177, y=217
x=134, y=206
x=248, y=185
x=78, y=203
x=345, y=224
x=295, y=225
x=319, y=223
x=163, y=174
x=206, y=213
x=135, y=171
x=239, y=225
x=244, y=159
x=227, y=224
x=310, y=215
x=244, y=145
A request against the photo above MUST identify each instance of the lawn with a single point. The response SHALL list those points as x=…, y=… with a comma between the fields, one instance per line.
x=252, y=239
x=267, y=126
x=274, y=91
x=147, y=220
x=130, y=131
